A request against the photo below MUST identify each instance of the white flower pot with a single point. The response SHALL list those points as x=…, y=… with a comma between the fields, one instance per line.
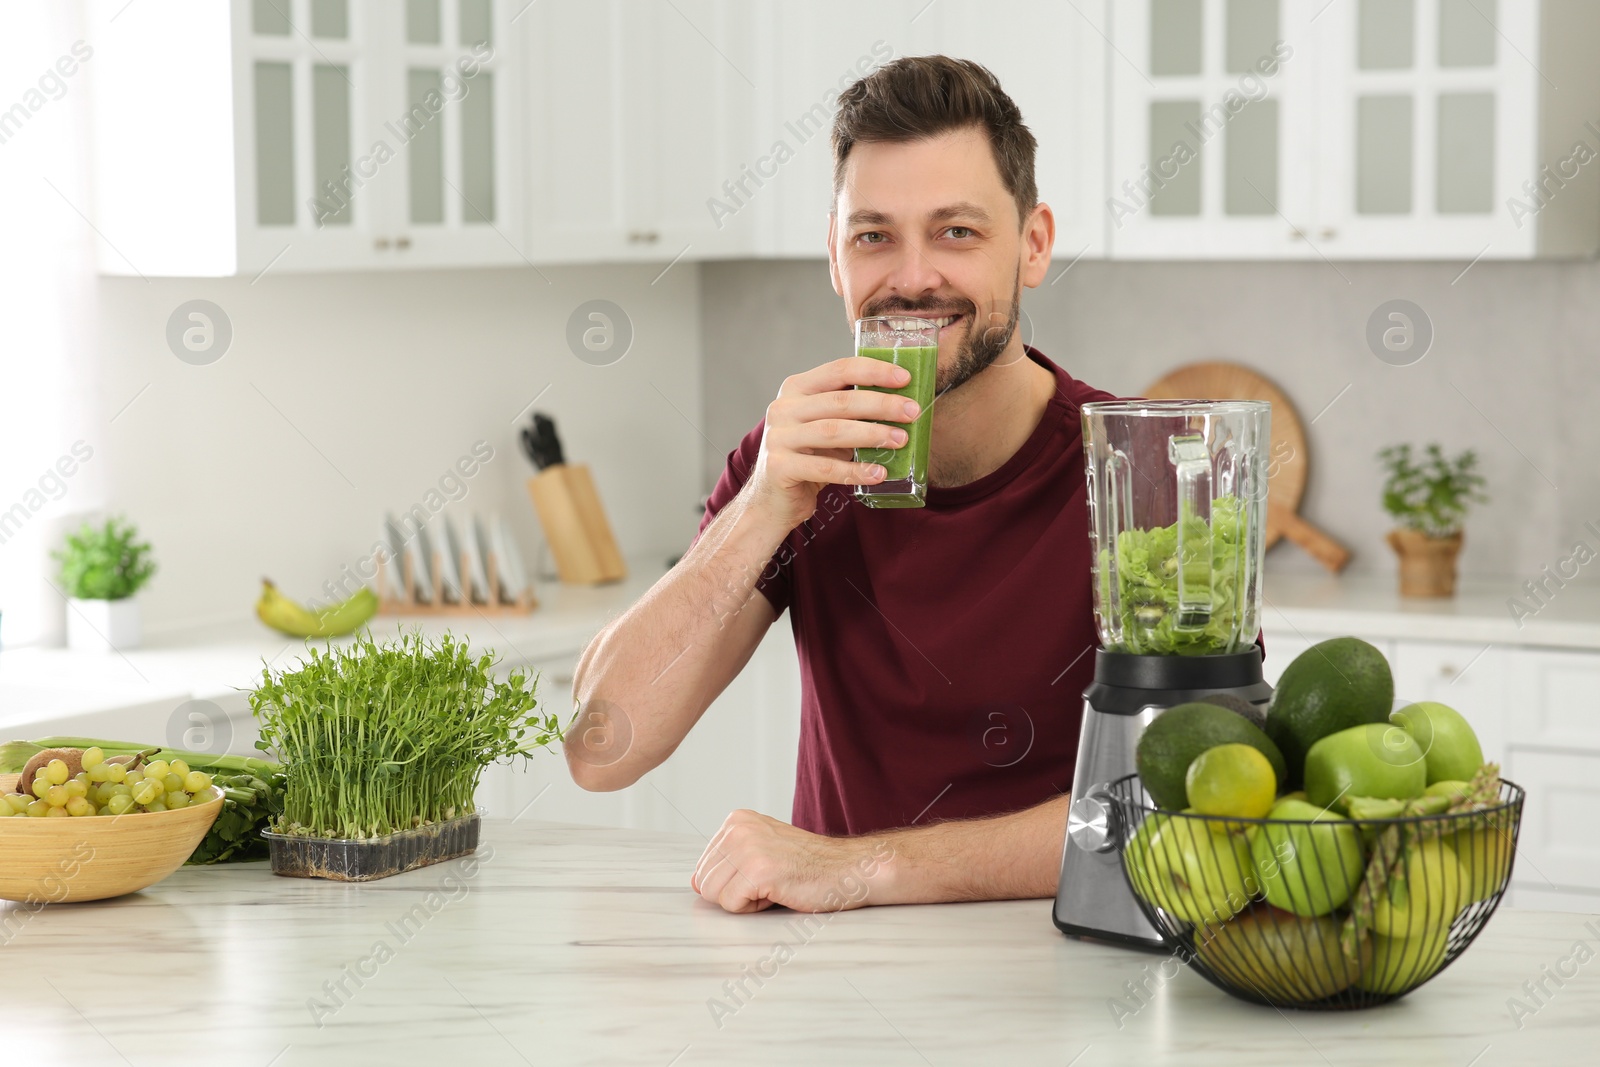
x=102, y=625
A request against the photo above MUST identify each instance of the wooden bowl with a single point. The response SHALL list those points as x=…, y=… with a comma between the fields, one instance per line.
x=57, y=861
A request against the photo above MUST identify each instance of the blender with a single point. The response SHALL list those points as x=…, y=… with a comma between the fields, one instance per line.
x=1177, y=514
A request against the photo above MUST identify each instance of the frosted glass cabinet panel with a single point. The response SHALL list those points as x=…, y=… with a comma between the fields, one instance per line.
x=1429, y=109
x=1211, y=129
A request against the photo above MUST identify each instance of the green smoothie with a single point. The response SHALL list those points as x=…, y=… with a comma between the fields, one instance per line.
x=905, y=468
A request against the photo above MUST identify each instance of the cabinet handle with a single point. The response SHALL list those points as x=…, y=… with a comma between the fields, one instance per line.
x=1329, y=232
x=1447, y=671
x=402, y=242
x=646, y=237
x=380, y=243
x=1297, y=235
x=561, y=679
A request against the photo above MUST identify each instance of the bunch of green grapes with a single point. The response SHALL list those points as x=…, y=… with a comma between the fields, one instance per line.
x=104, y=788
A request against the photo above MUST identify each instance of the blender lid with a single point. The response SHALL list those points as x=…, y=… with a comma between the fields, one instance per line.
x=1171, y=407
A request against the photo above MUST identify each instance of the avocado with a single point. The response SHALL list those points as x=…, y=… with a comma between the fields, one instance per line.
x=1179, y=734
x=1331, y=686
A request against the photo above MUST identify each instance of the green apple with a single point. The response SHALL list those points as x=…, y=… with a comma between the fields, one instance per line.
x=1398, y=964
x=1428, y=898
x=1309, y=866
x=1450, y=747
x=1194, y=869
x=1372, y=760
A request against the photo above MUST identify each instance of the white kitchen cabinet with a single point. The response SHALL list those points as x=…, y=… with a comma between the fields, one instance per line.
x=1049, y=58
x=1395, y=129
x=638, y=114
x=1559, y=849
x=741, y=754
x=1212, y=105
x=303, y=135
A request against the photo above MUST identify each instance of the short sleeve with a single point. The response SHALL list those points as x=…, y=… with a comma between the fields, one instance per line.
x=774, y=582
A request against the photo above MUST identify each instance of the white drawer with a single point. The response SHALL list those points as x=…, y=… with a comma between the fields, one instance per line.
x=1560, y=844
x=1554, y=698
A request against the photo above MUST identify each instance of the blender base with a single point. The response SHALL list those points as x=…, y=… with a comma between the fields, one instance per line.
x=1093, y=898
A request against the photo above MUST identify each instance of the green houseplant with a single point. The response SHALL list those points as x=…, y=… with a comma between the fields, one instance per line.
x=101, y=570
x=1429, y=497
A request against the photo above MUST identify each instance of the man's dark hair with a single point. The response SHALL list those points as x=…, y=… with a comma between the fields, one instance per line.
x=921, y=96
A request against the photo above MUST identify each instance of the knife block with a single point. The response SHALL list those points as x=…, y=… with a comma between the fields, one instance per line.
x=575, y=525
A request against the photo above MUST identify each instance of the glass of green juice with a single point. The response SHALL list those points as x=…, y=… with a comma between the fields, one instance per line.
x=911, y=343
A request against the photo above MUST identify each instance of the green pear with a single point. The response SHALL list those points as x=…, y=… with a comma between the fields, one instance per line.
x=1197, y=870
x=1285, y=958
x=1449, y=745
x=1399, y=964
x=1427, y=899
x=1309, y=866
x=1485, y=855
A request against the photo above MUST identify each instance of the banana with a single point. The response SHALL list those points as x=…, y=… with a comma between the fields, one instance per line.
x=288, y=617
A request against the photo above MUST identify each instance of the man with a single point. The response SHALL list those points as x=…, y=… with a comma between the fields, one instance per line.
x=943, y=650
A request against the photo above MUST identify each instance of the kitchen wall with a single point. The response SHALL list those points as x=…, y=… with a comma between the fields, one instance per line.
x=1513, y=371
x=344, y=395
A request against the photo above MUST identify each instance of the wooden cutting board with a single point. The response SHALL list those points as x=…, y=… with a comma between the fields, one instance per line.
x=1288, y=456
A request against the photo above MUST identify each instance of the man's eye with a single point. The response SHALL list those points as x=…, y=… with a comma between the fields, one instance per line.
x=872, y=238
x=959, y=232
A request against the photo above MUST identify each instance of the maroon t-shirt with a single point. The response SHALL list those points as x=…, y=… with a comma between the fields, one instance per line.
x=944, y=650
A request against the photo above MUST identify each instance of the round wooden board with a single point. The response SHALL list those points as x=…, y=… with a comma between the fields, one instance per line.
x=1287, y=459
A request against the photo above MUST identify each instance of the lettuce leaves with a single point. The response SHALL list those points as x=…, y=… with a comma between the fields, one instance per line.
x=1148, y=573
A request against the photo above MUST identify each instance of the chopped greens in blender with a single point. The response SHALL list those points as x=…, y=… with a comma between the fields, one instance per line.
x=1147, y=573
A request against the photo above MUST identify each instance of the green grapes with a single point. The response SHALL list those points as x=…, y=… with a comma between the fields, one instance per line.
x=104, y=788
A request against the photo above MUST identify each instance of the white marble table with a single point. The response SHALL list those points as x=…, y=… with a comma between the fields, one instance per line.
x=569, y=945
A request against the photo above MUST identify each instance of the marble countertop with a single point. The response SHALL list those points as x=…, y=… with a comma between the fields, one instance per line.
x=1372, y=607
x=572, y=945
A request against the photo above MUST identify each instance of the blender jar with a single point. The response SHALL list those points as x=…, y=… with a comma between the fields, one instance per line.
x=1177, y=510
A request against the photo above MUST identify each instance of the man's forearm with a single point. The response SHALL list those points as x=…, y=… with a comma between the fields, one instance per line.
x=659, y=664
x=1008, y=857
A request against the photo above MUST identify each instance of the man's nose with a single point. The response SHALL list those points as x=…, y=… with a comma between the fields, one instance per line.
x=913, y=273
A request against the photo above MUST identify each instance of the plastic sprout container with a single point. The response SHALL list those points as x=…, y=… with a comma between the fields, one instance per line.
x=1316, y=914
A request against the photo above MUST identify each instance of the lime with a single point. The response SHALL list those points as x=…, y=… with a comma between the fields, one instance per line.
x=1233, y=780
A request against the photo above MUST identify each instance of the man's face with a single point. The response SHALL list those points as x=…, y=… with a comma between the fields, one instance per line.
x=927, y=228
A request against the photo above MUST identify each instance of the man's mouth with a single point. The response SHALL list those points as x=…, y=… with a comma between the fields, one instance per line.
x=940, y=321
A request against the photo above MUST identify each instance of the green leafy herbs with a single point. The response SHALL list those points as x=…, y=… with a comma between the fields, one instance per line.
x=378, y=738
x=1430, y=495
x=1148, y=572
x=108, y=563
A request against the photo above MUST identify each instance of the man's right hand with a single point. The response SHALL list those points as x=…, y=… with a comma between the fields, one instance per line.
x=812, y=428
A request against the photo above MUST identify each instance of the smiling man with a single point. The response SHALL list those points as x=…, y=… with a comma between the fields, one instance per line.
x=943, y=650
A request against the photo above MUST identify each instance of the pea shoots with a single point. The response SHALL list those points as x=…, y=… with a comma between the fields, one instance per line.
x=379, y=738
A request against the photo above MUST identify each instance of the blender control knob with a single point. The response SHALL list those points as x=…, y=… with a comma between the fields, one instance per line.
x=1089, y=823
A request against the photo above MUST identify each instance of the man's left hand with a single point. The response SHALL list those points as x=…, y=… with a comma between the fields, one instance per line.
x=755, y=861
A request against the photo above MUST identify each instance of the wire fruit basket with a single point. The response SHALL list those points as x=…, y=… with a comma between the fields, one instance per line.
x=1321, y=914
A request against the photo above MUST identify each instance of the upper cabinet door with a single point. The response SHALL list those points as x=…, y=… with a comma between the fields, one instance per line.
x=691, y=81
x=311, y=194
x=1051, y=60
x=455, y=88
x=1430, y=126
x=1211, y=129
x=642, y=115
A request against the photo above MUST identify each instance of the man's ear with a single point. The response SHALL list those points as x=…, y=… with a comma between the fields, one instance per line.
x=833, y=256
x=1038, y=238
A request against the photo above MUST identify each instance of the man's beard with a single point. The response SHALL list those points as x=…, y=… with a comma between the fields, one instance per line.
x=981, y=344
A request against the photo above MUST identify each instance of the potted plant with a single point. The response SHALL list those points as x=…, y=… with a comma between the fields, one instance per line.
x=1429, y=499
x=101, y=570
